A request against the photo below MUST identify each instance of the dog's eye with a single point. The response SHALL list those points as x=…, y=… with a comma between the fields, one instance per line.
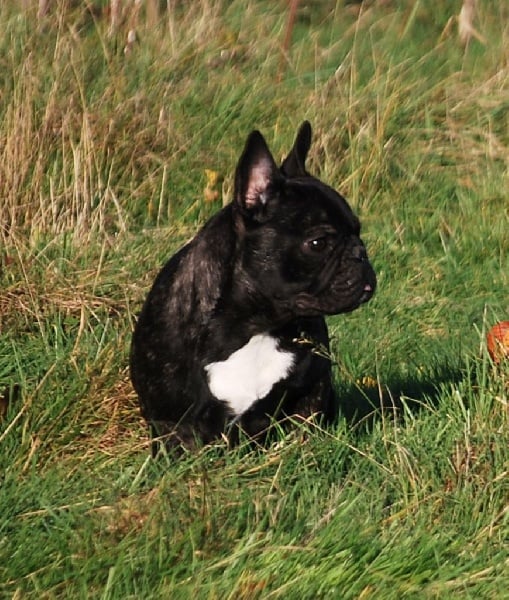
x=318, y=244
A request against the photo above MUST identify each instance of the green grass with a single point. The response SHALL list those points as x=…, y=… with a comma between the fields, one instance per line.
x=102, y=159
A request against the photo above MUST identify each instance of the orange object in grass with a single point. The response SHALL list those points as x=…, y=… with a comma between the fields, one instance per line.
x=498, y=341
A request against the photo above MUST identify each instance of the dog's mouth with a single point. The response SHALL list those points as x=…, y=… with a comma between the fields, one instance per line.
x=367, y=293
x=364, y=294
x=357, y=300
x=336, y=299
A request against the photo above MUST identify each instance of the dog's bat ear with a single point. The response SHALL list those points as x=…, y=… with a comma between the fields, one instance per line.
x=294, y=165
x=255, y=175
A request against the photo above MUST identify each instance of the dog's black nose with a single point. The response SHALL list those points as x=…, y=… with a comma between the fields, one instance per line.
x=360, y=254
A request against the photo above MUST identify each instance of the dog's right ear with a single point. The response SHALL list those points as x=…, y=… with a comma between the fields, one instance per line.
x=294, y=164
x=255, y=176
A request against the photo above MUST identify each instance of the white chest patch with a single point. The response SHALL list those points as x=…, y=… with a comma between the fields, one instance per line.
x=249, y=373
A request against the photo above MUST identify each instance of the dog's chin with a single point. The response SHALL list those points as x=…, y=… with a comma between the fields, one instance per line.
x=309, y=305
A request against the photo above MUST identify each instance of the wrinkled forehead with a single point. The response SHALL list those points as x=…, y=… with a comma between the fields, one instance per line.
x=319, y=203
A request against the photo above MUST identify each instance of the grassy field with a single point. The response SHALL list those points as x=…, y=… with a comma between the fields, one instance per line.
x=103, y=155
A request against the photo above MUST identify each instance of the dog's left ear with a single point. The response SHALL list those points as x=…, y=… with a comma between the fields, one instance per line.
x=294, y=165
x=255, y=176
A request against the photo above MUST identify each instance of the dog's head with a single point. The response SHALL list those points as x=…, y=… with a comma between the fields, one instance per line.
x=298, y=240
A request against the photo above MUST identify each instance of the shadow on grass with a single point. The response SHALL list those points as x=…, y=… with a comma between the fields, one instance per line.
x=364, y=403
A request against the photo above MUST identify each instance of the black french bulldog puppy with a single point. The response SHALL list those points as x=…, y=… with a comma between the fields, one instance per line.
x=232, y=333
